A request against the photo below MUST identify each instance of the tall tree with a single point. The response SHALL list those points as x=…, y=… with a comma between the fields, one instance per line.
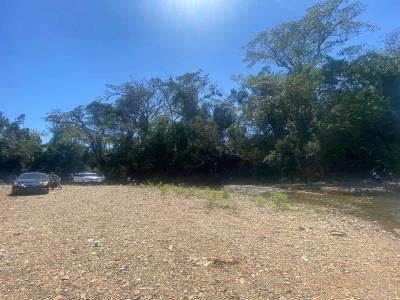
x=305, y=43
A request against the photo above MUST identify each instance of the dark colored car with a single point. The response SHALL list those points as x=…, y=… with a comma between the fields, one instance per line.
x=31, y=183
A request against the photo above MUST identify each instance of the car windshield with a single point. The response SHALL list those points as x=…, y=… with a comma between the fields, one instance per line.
x=90, y=174
x=37, y=176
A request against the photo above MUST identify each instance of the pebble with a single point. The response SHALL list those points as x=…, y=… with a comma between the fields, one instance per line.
x=305, y=258
x=338, y=233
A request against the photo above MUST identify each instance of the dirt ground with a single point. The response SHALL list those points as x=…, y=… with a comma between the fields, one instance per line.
x=125, y=242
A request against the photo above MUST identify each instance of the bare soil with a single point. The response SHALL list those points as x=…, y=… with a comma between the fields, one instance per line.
x=125, y=242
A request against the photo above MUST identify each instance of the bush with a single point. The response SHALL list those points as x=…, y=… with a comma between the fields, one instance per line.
x=281, y=202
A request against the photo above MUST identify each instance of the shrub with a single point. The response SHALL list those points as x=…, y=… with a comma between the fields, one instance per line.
x=281, y=202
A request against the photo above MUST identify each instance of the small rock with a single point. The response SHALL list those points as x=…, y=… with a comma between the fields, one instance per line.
x=83, y=296
x=338, y=233
x=137, y=292
x=170, y=247
x=302, y=228
x=397, y=231
x=305, y=258
x=131, y=252
x=66, y=277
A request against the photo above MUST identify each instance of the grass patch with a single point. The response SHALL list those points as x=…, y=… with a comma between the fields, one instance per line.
x=260, y=201
x=215, y=198
x=319, y=212
x=280, y=202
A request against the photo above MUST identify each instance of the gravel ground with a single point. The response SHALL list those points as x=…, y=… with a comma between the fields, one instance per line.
x=120, y=242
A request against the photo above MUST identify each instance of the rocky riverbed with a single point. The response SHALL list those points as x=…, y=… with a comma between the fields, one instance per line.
x=127, y=242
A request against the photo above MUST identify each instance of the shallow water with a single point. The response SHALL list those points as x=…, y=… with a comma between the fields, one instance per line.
x=384, y=209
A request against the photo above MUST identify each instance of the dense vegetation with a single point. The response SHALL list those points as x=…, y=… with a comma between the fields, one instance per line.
x=319, y=107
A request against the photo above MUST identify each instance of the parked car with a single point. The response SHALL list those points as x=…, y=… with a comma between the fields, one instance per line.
x=31, y=182
x=88, y=178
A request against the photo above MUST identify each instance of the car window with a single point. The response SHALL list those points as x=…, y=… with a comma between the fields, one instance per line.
x=33, y=176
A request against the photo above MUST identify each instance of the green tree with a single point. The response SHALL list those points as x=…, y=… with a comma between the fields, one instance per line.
x=361, y=129
x=305, y=43
x=19, y=146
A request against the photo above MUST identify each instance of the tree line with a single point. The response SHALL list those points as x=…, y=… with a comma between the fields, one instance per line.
x=319, y=107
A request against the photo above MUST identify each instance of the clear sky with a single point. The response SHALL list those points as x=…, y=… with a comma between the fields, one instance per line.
x=57, y=54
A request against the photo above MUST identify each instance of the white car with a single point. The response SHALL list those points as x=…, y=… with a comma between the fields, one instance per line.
x=86, y=177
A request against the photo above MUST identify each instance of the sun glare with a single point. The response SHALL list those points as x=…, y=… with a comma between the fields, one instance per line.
x=193, y=7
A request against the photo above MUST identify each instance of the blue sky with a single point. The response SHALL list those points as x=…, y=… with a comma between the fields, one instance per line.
x=59, y=54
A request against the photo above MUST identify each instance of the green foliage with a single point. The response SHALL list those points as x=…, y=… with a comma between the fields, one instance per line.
x=392, y=43
x=297, y=45
x=361, y=125
x=260, y=201
x=19, y=147
x=281, y=202
x=319, y=212
x=215, y=198
x=218, y=199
